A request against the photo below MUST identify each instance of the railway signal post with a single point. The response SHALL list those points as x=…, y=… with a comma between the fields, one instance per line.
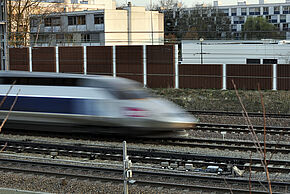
x=127, y=164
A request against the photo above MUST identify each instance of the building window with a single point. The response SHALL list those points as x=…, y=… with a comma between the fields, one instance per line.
x=244, y=11
x=265, y=10
x=286, y=27
x=239, y=20
x=34, y=22
x=59, y=38
x=254, y=11
x=272, y=18
x=55, y=21
x=234, y=11
x=276, y=10
x=270, y=61
x=47, y=21
x=77, y=20
x=99, y=19
x=69, y=38
x=286, y=9
x=86, y=37
x=253, y=61
x=282, y=18
x=52, y=21
x=234, y=28
x=225, y=12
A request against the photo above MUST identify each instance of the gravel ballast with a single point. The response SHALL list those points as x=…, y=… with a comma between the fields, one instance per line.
x=211, y=100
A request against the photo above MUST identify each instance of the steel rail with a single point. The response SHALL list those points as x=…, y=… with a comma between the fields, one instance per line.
x=219, y=144
x=242, y=128
x=176, y=175
x=240, y=114
x=138, y=155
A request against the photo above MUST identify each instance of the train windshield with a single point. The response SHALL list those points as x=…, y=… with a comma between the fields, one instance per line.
x=130, y=94
x=120, y=88
x=128, y=90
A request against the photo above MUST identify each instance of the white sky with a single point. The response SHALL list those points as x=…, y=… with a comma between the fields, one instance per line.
x=191, y=3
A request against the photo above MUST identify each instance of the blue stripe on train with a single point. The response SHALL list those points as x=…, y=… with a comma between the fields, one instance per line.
x=51, y=105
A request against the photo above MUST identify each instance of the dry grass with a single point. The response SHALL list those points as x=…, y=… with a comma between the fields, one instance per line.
x=261, y=150
x=226, y=100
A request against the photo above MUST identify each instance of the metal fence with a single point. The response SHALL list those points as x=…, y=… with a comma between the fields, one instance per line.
x=154, y=66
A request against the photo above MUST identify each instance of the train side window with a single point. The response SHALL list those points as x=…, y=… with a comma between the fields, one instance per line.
x=70, y=82
x=10, y=80
x=45, y=81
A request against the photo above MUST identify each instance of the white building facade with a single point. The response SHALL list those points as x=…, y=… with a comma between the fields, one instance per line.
x=276, y=13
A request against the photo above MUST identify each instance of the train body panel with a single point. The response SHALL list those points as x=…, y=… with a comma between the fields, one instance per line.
x=86, y=104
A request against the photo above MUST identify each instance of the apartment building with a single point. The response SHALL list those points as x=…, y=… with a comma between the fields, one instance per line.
x=127, y=26
x=79, y=5
x=276, y=13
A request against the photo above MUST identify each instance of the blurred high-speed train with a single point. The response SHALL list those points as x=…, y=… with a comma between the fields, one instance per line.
x=90, y=104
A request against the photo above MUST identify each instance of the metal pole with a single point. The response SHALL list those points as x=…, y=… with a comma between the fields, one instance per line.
x=3, y=35
x=129, y=23
x=144, y=67
x=176, y=67
x=114, y=61
x=30, y=59
x=56, y=60
x=201, y=59
x=152, y=35
x=124, y=167
x=85, y=60
x=274, y=87
x=224, y=77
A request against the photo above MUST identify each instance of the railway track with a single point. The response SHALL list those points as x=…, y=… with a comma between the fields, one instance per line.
x=219, y=144
x=239, y=114
x=242, y=129
x=142, y=177
x=155, y=157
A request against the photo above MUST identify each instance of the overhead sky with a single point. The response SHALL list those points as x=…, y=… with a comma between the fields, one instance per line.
x=191, y=3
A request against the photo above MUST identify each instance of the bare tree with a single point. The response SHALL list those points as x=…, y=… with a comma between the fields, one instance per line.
x=193, y=23
x=19, y=12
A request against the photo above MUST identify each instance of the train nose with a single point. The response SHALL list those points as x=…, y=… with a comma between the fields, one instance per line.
x=172, y=113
